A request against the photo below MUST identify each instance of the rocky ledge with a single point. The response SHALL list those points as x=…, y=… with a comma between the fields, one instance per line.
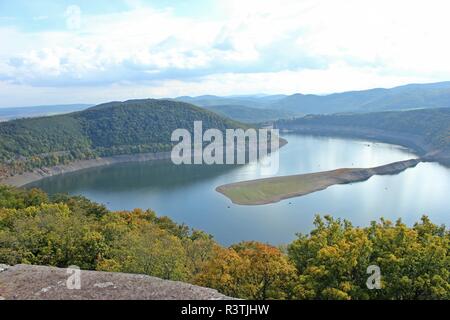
x=27, y=282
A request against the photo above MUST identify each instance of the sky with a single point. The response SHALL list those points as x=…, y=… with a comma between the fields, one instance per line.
x=68, y=51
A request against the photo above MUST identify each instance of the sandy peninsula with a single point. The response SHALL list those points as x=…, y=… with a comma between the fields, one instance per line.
x=271, y=190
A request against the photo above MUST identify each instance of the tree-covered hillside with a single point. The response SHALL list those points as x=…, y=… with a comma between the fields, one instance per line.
x=330, y=262
x=413, y=96
x=425, y=126
x=250, y=115
x=109, y=129
x=252, y=101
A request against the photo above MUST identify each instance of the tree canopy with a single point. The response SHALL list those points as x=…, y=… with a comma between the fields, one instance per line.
x=331, y=262
x=129, y=127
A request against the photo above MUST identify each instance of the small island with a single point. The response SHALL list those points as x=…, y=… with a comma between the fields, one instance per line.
x=275, y=189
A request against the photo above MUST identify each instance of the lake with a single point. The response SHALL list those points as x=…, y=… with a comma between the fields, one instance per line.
x=187, y=193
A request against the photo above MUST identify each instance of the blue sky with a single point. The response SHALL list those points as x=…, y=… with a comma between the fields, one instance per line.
x=84, y=51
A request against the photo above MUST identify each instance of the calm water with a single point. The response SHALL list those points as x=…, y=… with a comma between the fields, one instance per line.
x=187, y=193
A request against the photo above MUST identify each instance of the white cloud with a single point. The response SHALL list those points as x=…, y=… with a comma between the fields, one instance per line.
x=257, y=46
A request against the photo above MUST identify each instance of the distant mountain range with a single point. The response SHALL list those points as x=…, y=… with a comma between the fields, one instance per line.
x=253, y=101
x=412, y=96
x=262, y=108
x=249, y=114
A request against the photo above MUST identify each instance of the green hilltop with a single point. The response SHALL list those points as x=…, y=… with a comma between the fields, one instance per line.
x=114, y=128
x=249, y=114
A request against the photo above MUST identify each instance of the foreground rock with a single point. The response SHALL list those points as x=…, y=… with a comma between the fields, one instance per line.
x=25, y=282
x=271, y=190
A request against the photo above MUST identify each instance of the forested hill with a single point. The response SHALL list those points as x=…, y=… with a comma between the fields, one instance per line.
x=406, y=97
x=250, y=115
x=426, y=130
x=114, y=128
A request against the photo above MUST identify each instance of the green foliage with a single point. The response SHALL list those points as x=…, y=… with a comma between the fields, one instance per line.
x=19, y=198
x=431, y=125
x=49, y=234
x=250, y=115
x=64, y=230
x=138, y=245
x=332, y=261
x=134, y=126
x=329, y=263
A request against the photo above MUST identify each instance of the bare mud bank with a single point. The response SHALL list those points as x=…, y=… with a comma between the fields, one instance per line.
x=38, y=174
x=271, y=190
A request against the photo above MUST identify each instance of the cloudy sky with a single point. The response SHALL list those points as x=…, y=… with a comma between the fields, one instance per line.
x=70, y=51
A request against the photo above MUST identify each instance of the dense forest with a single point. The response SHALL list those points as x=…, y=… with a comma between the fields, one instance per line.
x=328, y=263
x=114, y=128
x=249, y=114
x=431, y=126
x=253, y=101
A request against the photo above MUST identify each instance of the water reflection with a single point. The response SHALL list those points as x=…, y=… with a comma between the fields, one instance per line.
x=187, y=193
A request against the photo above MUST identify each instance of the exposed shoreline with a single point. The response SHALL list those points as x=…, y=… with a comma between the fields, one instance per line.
x=38, y=174
x=425, y=150
x=23, y=179
x=275, y=189
x=415, y=143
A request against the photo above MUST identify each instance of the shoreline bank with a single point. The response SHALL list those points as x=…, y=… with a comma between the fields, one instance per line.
x=26, y=178
x=416, y=143
x=23, y=179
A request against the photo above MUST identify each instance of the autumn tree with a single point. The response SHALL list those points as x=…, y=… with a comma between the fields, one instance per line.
x=330, y=262
x=199, y=248
x=250, y=270
x=137, y=245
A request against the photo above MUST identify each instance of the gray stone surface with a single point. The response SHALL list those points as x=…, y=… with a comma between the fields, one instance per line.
x=26, y=282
